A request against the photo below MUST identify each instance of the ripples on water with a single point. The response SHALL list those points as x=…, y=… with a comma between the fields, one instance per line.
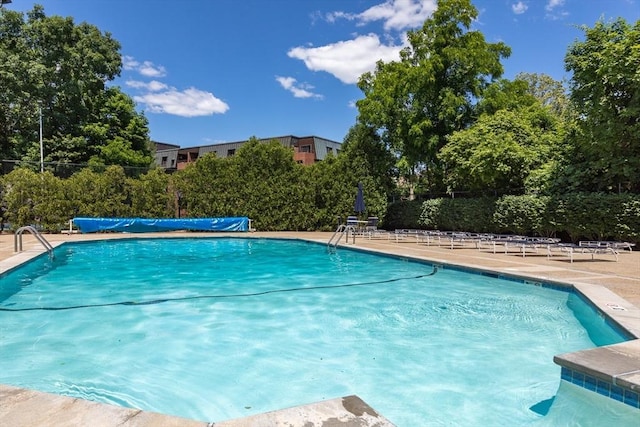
x=444, y=349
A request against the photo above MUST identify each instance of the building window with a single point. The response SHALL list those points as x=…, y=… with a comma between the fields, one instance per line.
x=163, y=163
x=329, y=150
x=231, y=152
x=305, y=149
x=173, y=161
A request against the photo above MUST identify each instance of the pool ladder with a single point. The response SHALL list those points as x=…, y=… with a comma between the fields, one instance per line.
x=341, y=231
x=17, y=239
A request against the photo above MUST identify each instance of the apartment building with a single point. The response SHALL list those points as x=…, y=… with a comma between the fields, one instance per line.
x=306, y=150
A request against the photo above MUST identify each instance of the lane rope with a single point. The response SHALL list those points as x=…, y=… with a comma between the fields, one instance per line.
x=195, y=297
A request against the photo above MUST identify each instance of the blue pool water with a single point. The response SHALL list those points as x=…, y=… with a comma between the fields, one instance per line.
x=221, y=328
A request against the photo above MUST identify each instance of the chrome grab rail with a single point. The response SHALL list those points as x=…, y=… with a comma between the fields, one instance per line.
x=17, y=239
x=341, y=231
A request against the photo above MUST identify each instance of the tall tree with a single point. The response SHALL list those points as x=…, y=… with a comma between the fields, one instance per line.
x=512, y=151
x=431, y=91
x=550, y=92
x=53, y=65
x=368, y=154
x=605, y=90
x=505, y=94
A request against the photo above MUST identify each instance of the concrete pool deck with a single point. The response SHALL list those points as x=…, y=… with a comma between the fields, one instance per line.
x=613, y=286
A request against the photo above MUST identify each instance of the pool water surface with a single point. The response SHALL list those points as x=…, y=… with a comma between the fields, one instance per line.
x=221, y=328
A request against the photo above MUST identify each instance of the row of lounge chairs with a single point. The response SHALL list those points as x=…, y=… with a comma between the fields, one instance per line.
x=500, y=242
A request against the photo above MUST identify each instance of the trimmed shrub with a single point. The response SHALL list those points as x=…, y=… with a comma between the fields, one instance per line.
x=403, y=214
x=458, y=214
x=523, y=215
x=580, y=216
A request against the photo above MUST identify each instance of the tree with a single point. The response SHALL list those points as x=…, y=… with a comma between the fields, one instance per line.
x=261, y=181
x=505, y=94
x=551, y=93
x=509, y=151
x=151, y=195
x=52, y=64
x=431, y=91
x=334, y=181
x=104, y=194
x=32, y=198
x=366, y=150
x=605, y=91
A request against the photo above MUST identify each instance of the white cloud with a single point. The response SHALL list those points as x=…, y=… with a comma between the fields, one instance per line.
x=152, y=86
x=299, y=90
x=400, y=14
x=552, y=4
x=519, y=8
x=129, y=62
x=159, y=97
x=149, y=69
x=555, y=10
x=146, y=68
x=191, y=102
x=347, y=60
x=396, y=15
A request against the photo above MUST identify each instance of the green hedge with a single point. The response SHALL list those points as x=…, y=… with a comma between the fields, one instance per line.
x=580, y=216
x=402, y=215
x=262, y=182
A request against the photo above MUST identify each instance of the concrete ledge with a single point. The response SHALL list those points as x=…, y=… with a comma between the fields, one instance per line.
x=22, y=407
x=617, y=364
x=349, y=411
x=611, y=371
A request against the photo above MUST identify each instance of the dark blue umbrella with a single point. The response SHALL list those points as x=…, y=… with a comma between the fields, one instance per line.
x=359, y=206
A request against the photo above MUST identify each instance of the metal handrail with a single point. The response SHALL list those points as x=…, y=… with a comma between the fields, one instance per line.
x=341, y=231
x=17, y=239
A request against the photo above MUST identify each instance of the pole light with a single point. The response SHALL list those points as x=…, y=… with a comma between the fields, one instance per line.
x=41, y=145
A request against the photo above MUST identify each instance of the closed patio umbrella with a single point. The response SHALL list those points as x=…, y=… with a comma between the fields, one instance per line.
x=359, y=207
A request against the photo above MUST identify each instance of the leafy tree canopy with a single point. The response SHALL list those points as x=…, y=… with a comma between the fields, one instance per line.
x=432, y=90
x=62, y=68
x=510, y=151
x=505, y=94
x=605, y=90
x=550, y=92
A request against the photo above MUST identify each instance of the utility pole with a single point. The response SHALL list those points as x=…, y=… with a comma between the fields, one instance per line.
x=41, y=145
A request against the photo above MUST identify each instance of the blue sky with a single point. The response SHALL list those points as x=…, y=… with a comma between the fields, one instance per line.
x=212, y=71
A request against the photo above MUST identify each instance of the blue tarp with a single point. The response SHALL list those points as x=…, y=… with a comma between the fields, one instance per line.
x=147, y=225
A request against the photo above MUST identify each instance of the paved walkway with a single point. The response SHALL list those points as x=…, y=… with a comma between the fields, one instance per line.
x=613, y=285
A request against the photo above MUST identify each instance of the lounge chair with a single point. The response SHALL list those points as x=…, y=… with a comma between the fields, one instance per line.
x=587, y=247
x=608, y=244
x=372, y=223
x=371, y=228
x=524, y=243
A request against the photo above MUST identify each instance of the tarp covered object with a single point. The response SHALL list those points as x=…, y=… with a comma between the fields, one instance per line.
x=147, y=225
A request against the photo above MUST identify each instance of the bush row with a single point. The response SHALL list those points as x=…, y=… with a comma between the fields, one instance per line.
x=48, y=202
x=580, y=216
x=262, y=182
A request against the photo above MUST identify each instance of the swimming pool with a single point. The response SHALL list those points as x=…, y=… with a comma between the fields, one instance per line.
x=221, y=328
